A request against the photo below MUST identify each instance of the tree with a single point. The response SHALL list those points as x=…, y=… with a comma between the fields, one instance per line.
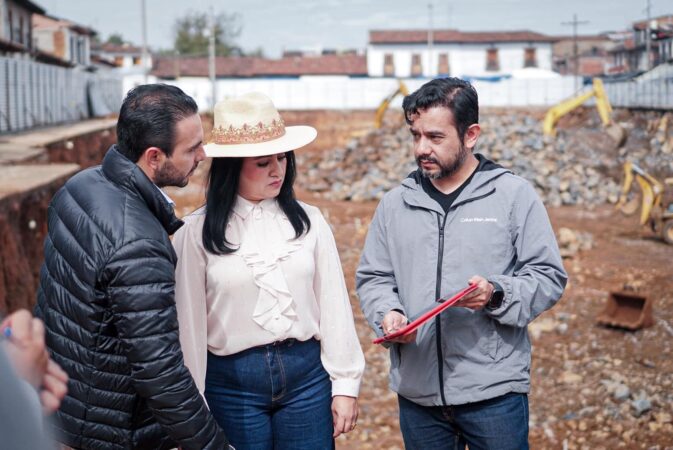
x=192, y=34
x=115, y=38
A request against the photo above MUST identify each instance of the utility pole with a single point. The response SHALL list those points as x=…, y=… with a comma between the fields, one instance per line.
x=211, y=60
x=430, y=39
x=648, y=38
x=574, y=24
x=145, y=56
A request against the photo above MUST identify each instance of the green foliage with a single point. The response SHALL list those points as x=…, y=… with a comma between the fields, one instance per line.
x=115, y=38
x=191, y=34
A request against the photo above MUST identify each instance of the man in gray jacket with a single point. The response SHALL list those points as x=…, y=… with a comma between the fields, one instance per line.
x=462, y=378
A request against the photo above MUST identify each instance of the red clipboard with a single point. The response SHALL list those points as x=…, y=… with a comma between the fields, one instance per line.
x=412, y=326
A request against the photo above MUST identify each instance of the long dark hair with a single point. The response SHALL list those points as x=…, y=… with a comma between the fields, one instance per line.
x=221, y=196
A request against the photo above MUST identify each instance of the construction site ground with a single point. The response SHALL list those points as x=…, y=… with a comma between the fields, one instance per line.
x=592, y=387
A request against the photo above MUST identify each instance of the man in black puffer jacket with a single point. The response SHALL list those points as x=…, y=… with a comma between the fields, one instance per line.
x=107, y=286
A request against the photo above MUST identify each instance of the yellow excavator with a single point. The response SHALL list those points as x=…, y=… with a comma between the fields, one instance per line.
x=630, y=309
x=650, y=199
x=616, y=132
x=381, y=110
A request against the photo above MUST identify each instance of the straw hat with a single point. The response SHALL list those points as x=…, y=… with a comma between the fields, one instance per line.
x=250, y=125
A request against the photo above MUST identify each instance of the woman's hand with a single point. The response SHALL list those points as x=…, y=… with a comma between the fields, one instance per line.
x=344, y=414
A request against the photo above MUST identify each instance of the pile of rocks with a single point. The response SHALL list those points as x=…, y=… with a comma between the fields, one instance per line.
x=365, y=169
x=579, y=166
x=572, y=242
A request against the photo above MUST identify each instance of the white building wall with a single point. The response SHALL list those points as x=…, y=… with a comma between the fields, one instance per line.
x=127, y=59
x=44, y=40
x=464, y=59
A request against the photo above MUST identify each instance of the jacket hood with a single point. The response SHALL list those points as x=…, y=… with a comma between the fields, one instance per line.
x=125, y=173
x=487, y=171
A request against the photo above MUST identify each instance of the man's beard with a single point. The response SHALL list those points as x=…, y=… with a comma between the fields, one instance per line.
x=445, y=170
x=168, y=175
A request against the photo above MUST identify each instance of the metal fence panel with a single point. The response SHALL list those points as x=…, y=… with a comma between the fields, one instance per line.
x=647, y=94
x=34, y=94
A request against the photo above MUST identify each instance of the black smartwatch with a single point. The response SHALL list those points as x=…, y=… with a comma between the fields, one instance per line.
x=497, y=297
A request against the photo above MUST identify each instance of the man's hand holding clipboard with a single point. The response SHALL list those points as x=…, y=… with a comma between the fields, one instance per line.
x=397, y=330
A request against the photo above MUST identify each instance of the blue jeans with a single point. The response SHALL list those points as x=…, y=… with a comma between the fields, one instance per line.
x=275, y=396
x=500, y=423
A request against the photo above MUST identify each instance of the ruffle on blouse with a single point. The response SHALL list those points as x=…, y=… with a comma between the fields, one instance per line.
x=275, y=309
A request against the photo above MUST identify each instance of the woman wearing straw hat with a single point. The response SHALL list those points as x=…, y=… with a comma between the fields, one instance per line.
x=266, y=324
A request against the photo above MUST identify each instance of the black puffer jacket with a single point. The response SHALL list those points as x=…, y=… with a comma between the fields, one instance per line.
x=107, y=299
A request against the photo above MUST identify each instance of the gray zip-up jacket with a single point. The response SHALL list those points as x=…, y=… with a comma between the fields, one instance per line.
x=414, y=254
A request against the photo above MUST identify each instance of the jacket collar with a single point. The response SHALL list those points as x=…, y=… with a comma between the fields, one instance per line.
x=244, y=207
x=487, y=170
x=125, y=173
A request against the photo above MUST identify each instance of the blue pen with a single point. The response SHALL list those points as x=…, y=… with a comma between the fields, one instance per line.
x=7, y=332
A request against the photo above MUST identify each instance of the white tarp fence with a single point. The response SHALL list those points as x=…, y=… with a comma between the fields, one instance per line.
x=336, y=92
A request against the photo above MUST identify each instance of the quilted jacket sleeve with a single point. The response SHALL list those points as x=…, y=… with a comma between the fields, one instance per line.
x=140, y=285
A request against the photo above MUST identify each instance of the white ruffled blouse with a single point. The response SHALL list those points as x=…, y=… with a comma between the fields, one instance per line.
x=274, y=287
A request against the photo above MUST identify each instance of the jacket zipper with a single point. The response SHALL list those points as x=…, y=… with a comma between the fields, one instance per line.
x=438, y=290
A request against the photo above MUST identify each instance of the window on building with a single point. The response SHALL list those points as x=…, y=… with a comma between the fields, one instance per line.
x=119, y=61
x=10, y=23
x=492, y=62
x=73, y=49
x=137, y=60
x=29, y=35
x=530, y=57
x=21, y=36
x=416, y=66
x=443, y=64
x=388, y=65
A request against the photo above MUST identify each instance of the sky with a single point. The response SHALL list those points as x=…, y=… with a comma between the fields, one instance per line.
x=277, y=25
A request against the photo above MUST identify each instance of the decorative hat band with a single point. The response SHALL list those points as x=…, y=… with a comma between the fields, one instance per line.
x=249, y=134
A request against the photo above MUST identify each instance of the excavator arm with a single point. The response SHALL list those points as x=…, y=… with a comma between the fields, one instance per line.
x=383, y=106
x=563, y=108
x=552, y=117
x=651, y=190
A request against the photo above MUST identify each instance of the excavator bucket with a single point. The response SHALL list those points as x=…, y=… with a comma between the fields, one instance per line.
x=626, y=310
x=617, y=134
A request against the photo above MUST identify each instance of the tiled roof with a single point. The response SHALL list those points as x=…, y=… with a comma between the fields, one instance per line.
x=661, y=21
x=455, y=36
x=197, y=66
x=584, y=37
x=115, y=48
x=30, y=6
x=313, y=65
x=169, y=67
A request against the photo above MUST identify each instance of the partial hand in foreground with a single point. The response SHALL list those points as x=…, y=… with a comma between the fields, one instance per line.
x=27, y=352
